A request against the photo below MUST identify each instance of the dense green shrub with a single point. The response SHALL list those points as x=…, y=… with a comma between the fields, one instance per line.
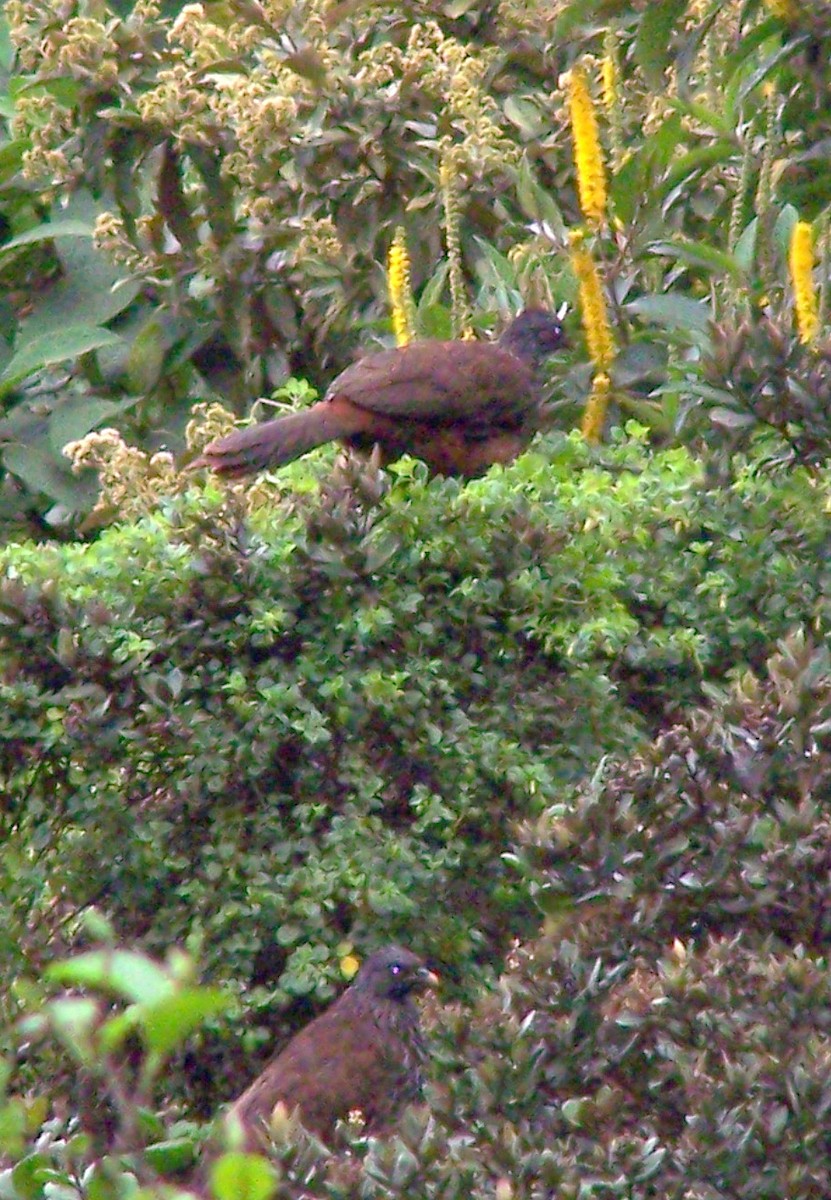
x=666, y=1035
x=671, y=1026
x=273, y=735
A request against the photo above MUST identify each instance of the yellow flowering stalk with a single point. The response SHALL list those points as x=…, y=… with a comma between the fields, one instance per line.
x=593, y=310
x=801, y=262
x=588, y=154
x=594, y=414
x=599, y=338
x=400, y=291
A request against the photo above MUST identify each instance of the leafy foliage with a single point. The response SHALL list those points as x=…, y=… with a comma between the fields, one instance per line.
x=538, y=726
x=757, y=376
x=277, y=735
x=667, y=1031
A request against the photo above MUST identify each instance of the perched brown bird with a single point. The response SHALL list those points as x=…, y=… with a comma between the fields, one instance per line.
x=460, y=406
x=363, y=1053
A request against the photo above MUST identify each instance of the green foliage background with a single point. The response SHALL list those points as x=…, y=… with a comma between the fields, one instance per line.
x=564, y=729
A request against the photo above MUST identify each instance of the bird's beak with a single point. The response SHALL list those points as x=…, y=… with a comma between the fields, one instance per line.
x=427, y=978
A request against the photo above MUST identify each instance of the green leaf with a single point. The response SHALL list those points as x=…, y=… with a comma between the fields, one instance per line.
x=130, y=975
x=498, y=264
x=80, y=414
x=74, y=1021
x=30, y=1175
x=575, y=1111
x=8, y=331
x=672, y=311
x=728, y=418
x=146, y=359
x=768, y=64
x=536, y=202
x=640, y=363
x=573, y=16
x=91, y=288
x=749, y=43
x=7, y=50
x=54, y=347
x=61, y=88
x=434, y=322
x=13, y=1129
x=694, y=163
x=47, y=232
x=650, y=414
x=783, y=229
x=11, y=157
x=707, y=117
x=698, y=254
x=237, y=1176
x=745, y=249
x=169, y=1021
x=525, y=115
x=113, y=1032
x=175, y=1154
x=653, y=43
x=553, y=903
x=432, y=290
x=645, y=165
x=42, y=471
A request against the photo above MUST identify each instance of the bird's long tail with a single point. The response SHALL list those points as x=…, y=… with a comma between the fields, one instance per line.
x=274, y=443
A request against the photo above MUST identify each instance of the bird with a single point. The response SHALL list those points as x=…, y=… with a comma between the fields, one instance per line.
x=363, y=1054
x=461, y=406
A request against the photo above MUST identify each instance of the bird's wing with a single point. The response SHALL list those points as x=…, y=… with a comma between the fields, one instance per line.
x=329, y=1068
x=440, y=382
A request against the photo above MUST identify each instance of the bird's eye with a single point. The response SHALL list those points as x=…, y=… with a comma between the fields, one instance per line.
x=395, y=968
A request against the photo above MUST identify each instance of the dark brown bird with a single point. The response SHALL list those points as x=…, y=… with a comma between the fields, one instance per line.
x=363, y=1053
x=459, y=406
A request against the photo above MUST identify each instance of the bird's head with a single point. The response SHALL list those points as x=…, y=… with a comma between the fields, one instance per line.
x=534, y=335
x=394, y=973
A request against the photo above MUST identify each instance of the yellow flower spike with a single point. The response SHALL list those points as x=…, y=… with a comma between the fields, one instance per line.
x=594, y=414
x=588, y=155
x=400, y=291
x=593, y=310
x=801, y=262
